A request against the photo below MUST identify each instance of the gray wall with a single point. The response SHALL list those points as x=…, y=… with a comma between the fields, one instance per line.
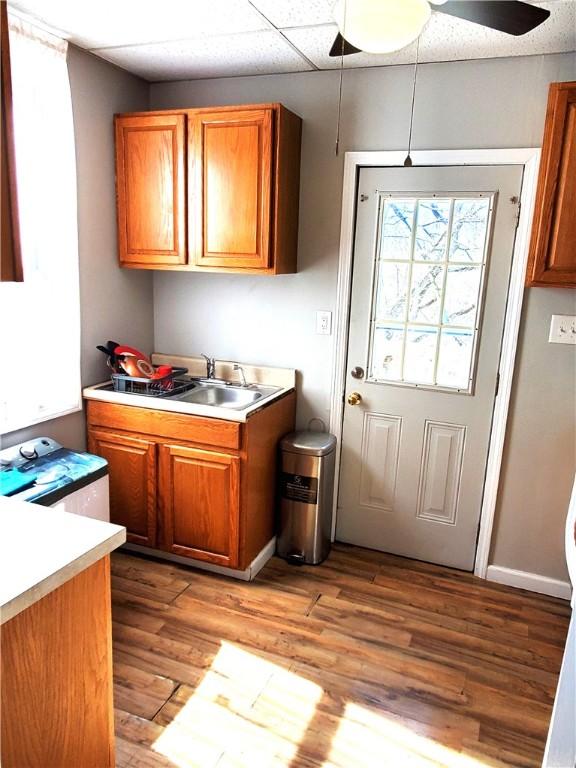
x=114, y=303
x=476, y=104
x=540, y=451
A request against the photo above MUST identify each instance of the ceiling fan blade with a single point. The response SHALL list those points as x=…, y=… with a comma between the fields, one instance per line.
x=510, y=16
x=337, y=49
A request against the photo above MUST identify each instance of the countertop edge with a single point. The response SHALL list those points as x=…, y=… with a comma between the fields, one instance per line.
x=95, y=392
x=56, y=579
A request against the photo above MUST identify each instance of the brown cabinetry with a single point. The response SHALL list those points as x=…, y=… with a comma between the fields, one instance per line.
x=200, y=499
x=132, y=474
x=192, y=486
x=552, y=259
x=240, y=210
x=150, y=180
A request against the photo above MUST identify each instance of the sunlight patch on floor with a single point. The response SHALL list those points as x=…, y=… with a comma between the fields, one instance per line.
x=220, y=715
x=249, y=712
x=388, y=744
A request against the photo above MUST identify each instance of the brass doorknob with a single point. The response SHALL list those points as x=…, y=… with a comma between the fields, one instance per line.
x=354, y=398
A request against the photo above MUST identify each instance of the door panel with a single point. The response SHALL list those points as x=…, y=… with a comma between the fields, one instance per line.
x=199, y=492
x=429, y=294
x=150, y=165
x=231, y=183
x=132, y=470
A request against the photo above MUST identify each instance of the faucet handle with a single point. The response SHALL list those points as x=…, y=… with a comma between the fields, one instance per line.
x=240, y=370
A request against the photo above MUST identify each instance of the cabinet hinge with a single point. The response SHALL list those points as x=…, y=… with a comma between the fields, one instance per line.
x=518, y=214
x=497, y=384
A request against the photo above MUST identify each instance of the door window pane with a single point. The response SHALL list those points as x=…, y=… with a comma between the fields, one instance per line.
x=461, y=300
x=469, y=229
x=387, y=347
x=455, y=358
x=420, y=355
x=431, y=263
x=426, y=293
x=392, y=291
x=396, y=229
x=432, y=229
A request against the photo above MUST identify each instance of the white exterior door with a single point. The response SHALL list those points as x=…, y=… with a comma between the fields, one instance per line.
x=432, y=256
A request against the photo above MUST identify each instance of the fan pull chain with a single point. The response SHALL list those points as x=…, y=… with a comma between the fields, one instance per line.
x=408, y=160
x=336, y=148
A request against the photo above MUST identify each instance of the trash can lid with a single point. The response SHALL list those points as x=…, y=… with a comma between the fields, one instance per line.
x=309, y=443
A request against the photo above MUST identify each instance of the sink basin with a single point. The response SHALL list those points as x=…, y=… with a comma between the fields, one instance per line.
x=222, y=396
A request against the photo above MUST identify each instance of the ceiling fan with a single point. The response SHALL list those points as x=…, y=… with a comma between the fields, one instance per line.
x=383, y=26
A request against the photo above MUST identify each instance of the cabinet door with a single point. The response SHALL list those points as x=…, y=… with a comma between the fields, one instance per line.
x=199, y=498
x=230, y=188
x=132, y=471
x=552, y=259
x=150, y=178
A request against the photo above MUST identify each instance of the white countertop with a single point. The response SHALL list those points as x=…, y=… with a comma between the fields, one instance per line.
x=283, y=378
x=42, y=548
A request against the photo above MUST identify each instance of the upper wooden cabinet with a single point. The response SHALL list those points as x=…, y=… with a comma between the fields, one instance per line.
x=150, y=181
x=240, y=210
x=231, y=188
x=552, y=259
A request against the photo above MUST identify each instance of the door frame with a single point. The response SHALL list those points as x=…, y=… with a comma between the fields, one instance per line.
x=529, y=158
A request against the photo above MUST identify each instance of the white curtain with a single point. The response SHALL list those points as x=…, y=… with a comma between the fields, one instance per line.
x=40, y=318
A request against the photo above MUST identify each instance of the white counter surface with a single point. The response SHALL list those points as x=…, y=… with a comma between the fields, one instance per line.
x=42, y=548
x=282, y=378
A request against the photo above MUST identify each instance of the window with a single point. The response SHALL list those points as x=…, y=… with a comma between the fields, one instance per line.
x=430, y=263
x=40, y=318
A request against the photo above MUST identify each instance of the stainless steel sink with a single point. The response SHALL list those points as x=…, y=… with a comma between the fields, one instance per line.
x=224, y=395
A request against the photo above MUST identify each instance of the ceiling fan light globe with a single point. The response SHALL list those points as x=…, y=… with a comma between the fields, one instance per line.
x=437, y=2
x=381, y=26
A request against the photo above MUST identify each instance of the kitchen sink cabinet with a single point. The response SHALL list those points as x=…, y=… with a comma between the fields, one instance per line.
x=552, y=257
x=200, y=498
x=191, y=486
x=239, y=212
x=132, y=468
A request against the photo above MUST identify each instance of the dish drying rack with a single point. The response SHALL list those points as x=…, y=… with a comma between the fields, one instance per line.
x=164, y=386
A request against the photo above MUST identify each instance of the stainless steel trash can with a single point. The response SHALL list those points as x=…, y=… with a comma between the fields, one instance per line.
x=306, y=491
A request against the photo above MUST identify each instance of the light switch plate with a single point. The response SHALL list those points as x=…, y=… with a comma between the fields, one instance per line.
x=323, y=322
x=562, y=329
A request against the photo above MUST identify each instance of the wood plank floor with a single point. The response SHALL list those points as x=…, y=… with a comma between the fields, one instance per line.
x=366, y=661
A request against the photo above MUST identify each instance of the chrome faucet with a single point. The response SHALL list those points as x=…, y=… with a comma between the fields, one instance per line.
x=241, y=374
x=210, y=366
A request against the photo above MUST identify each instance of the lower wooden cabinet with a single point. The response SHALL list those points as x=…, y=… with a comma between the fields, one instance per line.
x=132, y=471
x=191, y=486
x=200, y=503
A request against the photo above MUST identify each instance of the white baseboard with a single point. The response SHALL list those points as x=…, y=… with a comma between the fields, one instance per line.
x=532, y=581
x=246, y=575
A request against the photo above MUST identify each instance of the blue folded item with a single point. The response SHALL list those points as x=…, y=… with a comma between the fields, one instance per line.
x=13, y=480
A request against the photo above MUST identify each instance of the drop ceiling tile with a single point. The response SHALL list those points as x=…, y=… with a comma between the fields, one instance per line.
x=110, y=23
x=296, y=13
x=251, y=53
x=315, y=43
x=447, y=38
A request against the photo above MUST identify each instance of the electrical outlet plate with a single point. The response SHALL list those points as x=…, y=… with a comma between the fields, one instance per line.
x=562, y=329
x=323, y=322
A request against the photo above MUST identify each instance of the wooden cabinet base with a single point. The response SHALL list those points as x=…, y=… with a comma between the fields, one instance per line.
x=56, y=688
x=216, y=479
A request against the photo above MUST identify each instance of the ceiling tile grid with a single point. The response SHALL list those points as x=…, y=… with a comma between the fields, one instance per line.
x=197, y=39
x=250, y=53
